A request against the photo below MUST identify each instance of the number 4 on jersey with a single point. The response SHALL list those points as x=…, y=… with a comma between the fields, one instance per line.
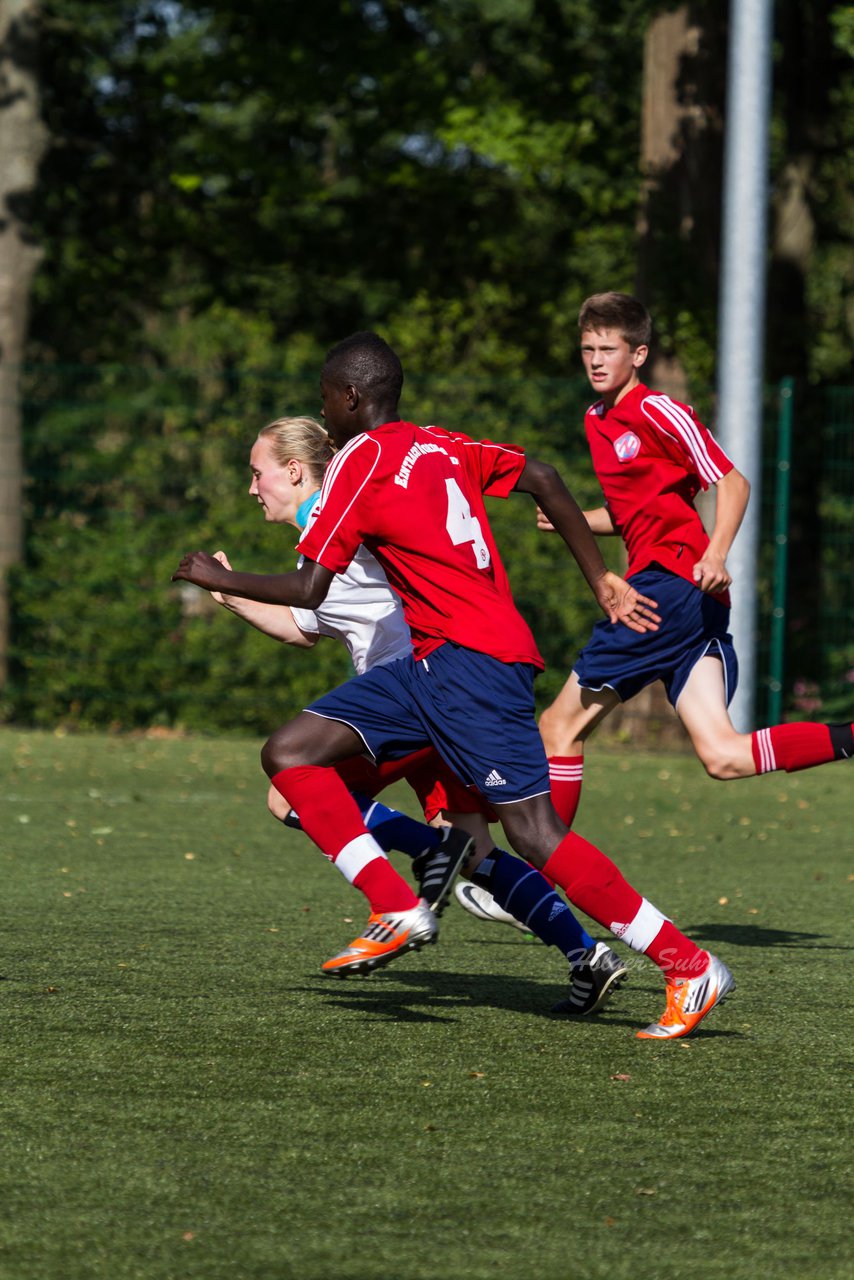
x=463, y=527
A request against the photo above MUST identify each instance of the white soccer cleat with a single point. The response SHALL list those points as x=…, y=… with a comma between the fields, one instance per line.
x=480, y=902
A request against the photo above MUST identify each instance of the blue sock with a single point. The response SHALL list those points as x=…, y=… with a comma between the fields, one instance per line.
x=393, y=830
x=520, y=889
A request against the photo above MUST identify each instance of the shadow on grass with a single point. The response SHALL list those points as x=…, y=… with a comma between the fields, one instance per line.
x=438, y=996
x=753, y=935
x=442, y=997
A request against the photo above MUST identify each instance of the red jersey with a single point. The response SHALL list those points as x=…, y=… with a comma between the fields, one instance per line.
x=652, y=457
x=414, y=497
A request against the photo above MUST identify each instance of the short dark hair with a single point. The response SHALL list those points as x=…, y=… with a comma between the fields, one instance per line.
x=618, y=311
x=368, y=362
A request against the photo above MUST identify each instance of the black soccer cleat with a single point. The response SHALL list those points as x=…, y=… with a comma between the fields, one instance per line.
x=599, y=973
x=437, y=869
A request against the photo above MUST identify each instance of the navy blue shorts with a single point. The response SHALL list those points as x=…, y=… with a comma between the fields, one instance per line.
x=693, y=624
x=477, y=712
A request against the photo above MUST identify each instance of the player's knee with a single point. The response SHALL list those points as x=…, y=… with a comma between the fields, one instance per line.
x=560, y=735
x=279, y=753
x=535, y=841
x=720, y=762
x=549, y=725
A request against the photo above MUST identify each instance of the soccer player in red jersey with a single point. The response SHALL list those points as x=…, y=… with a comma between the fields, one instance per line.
x=288, y=461
x=652, y=457
x=413, y=497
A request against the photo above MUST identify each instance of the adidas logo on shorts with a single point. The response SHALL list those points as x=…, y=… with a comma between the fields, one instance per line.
x=494, y=779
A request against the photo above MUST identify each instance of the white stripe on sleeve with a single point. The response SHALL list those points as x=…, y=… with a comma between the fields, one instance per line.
x=687, y=431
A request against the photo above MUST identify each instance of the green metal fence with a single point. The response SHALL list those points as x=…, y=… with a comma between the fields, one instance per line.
x=836, y=514
x=806, y=593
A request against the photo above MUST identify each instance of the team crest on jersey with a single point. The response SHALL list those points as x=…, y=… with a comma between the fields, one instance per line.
x=627, y=447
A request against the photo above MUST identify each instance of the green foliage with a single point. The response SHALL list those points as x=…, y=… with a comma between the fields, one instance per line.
x=830, y=283
x=842, y=22
x=232, y=188
x=213, y=153
x=140, y=468
x=130, y=469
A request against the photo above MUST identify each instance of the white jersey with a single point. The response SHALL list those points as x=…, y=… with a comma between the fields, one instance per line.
x=362, y=610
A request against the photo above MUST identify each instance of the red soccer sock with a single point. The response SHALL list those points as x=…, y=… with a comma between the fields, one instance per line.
x=384, y=888
x=565, y=777
x=801, y=746
x=592, y=882
x=330, y=817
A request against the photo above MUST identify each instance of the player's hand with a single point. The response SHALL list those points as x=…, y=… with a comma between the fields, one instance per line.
x=544, y=523
x=223, y=559
x=203, y=570
x=623, y=604
x=711, y=573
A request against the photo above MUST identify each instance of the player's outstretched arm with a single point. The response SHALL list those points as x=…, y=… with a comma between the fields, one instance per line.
x=563, y=513
x=599, y=522
x=275, y=620
x=732, y=494
x=306, y=587
x=617, y=598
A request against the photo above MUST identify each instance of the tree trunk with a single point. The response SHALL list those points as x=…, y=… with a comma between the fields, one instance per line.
x=679, y=219
x=23, y=139
x=669, y=39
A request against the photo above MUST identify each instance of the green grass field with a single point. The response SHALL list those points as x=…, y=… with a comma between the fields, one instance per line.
x=185, y=1096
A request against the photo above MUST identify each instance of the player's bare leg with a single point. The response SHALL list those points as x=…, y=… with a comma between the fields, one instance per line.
x=724, y=752
x=309, y=740
x=277, y=804
x=564, y=728
x=572, y=717
x=728, y=754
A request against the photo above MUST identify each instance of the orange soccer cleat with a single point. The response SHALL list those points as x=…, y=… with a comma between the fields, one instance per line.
x=689, y=1000
x=388, y=935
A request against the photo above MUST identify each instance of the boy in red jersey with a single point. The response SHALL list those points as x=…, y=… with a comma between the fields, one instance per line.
x=651, y=457
x=414, y=497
